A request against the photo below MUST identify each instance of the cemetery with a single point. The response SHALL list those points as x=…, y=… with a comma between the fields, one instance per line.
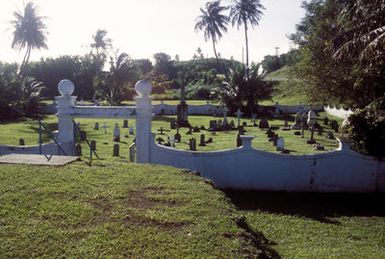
x=239, y=143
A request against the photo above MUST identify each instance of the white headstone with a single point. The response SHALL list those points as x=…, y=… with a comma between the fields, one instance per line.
x=239, y=114
x=116, y=131
x=131, y=130
x=280, y=144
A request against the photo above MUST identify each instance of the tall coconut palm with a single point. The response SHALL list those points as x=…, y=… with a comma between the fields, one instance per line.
x=101, y=43
x=212, y=22
x=244, y=12
x=30, y=32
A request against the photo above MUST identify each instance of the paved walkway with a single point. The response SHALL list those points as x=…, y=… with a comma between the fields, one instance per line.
x=36, y=159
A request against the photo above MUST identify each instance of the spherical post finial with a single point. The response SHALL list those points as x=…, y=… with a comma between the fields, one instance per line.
x=143, y=88
x=66, y=87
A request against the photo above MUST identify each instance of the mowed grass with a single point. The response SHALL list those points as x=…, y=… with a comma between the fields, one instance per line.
x=113, y=209
x=28, y=130
x=118, y=209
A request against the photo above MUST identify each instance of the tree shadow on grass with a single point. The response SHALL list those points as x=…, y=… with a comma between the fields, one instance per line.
x=322, y=207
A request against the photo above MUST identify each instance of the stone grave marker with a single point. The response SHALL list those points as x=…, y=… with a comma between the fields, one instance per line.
x=239, y=115
x=232, y=124
x=213, y=125
x=280, y=144
x=202, y=142
x=116, y=133
x=160, y=140
x=116, y=150
x=21, y=142
x=96, y=126
x=263, y=124
x=105, y=127
x=177, y=136
x=125, y=124
x=173, y=124
x=189, y=132
x=326, y=121
x=297, y=121
x=131, y=130
x=193, y=144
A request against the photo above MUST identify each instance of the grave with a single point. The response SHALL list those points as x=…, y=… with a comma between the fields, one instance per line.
x=116, y=133
x=263, y=124
x=202, y=142
x=131, y=130
x=125, y=124
x=297, y=121
x=115, y=152
x=182, y=110
x=96, y=126
x=177, y=136
x=189, y=132
x=239, y=115
x=21, y=142
x=193, y=144
x=213, y=125
x=280, y=144
x=160, y=140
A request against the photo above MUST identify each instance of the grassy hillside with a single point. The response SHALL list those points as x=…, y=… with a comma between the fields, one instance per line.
x=285, y=91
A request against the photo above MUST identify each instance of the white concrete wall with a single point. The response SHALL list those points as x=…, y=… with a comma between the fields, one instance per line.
x=47, y=149
x=246, y=168
x=340, y=113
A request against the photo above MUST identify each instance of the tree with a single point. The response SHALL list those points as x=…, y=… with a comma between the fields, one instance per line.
x=244, y=85
x=30, y=90
x=212, y=22
x=101, y=43
x=29, y=32
x=112, y=86
x=245, y=12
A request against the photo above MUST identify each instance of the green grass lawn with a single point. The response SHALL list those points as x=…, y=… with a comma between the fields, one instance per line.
x=116, y=209
x=28, y=130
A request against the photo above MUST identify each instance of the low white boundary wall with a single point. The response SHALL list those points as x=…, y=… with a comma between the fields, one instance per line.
x=47, y=149
x=340, y=113
x=341, y=170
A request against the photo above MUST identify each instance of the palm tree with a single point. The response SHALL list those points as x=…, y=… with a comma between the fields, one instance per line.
x=212, y=22
x=30, y=32
x=101, y=44
x=244, y=12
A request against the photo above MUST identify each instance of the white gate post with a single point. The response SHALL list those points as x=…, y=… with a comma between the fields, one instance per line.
x=65, y=102
x=143, y=121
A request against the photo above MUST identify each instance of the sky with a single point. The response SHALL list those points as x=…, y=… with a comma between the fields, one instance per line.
x=144, y=27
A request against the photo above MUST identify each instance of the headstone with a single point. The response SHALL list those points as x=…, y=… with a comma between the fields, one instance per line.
x=202, y=142
x=182, y=112
x=280, y=144
x=326, y=121
x=177, y=137
x=263, y=124
x=78, y=149
x=171, y=139
x=334, y=125
x=297, y=121
x=269, y=133
x=210, y=140
x=193, y=144
x=189, y=132
x=131, y=130
x=244, y=124
x=83, y=135
x=96, y=126
x=318, y=146
x=93, y=145
x=125, y=124
x=161, y=131
x=213, y=125
x=160, y=140
x=311, y=121
x=116, y=133
x=21, y=142
x=116, y=150
x=219, y=125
